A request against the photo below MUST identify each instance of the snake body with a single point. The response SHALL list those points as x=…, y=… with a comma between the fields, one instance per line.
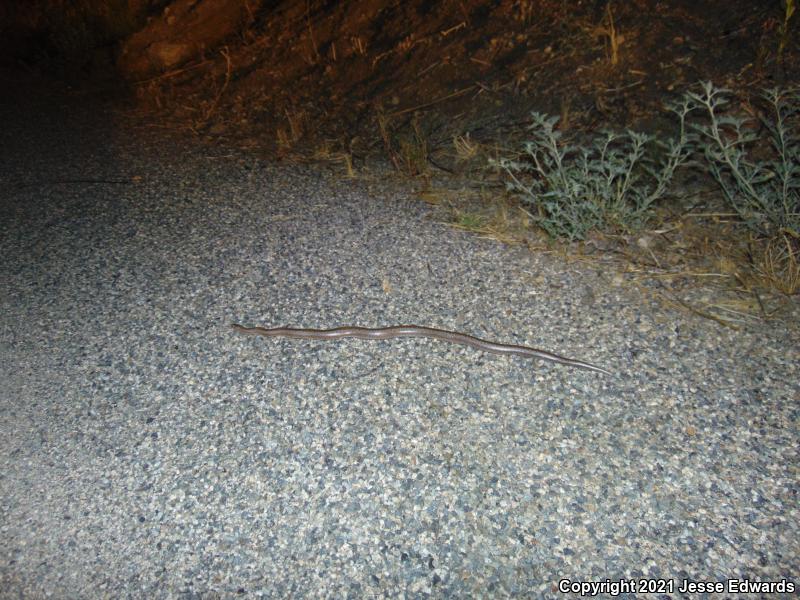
x=400, y=331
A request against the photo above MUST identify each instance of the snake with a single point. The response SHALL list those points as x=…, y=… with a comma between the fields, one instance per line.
x=417, y=331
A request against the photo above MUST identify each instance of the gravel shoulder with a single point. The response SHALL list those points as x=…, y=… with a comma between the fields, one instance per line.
x=146, y=450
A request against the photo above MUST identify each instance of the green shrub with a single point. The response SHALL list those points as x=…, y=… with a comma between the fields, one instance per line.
x=609, y=183
x=764, y=191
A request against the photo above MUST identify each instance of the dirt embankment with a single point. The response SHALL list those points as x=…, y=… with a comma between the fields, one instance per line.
x=350, y=76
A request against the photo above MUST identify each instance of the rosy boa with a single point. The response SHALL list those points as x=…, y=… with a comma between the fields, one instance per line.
x=399, y=331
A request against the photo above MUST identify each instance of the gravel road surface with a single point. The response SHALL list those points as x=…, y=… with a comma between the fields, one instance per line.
x=149, y=451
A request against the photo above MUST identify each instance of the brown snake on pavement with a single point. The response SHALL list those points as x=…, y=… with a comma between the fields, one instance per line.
x=399, y=331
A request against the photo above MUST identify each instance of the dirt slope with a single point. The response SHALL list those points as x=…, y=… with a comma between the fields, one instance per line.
x=347, y=75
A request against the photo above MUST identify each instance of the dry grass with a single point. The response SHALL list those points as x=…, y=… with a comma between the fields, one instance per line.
x=698, y=262
x=208, y=111
x=465, y=148
x=405, y=145
x=324, y=153
x=777, y=264
x=486, y=214
x=293, y=129
x=524, y=11
x=613, y=38
x=715, y=272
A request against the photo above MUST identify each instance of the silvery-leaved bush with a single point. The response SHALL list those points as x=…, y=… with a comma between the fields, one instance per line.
x=611, y=182
x=764, y=191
